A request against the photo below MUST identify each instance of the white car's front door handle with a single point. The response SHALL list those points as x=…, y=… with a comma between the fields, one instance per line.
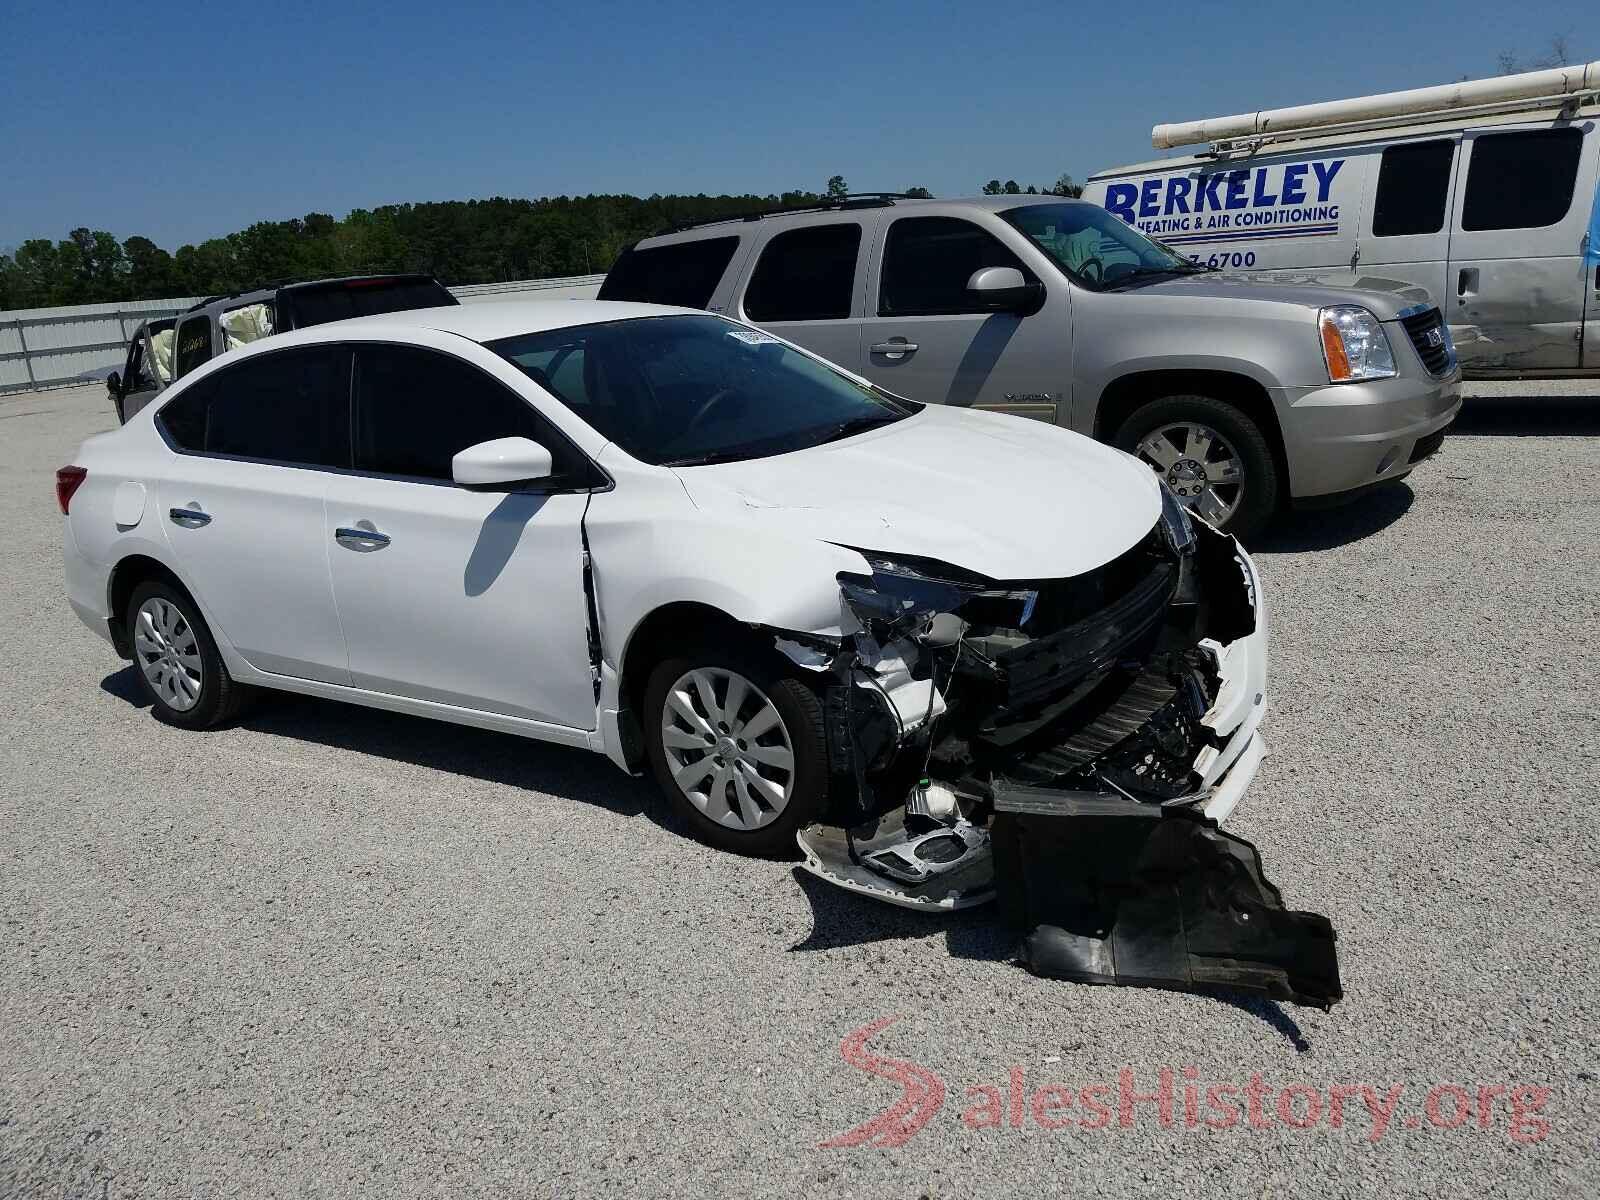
x=360, y=539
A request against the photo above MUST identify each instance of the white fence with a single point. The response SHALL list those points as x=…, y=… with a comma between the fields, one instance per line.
x=59, y=347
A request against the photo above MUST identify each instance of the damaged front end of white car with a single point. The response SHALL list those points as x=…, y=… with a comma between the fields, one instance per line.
x=1069, y=745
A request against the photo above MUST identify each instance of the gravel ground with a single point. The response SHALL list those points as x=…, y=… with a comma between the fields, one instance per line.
x=333, y=949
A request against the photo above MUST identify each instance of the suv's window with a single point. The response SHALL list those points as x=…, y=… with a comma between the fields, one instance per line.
x=1413, y=185
x=1521, y=180
x=928, y=260
x=683, y=390
x=340, y=299
x=684, y=274
x=137, y=373
x=416, y=409
x=805, y=275
x=290, y=407
x=193, y=344
x=247, y=323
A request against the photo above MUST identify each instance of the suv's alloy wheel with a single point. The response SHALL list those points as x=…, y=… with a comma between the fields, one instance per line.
x=1213, y=456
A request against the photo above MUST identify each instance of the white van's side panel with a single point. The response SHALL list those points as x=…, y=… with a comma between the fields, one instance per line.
x=1519, y=301
x=1410, y=250
x=1264, y=212
x=1515, y=296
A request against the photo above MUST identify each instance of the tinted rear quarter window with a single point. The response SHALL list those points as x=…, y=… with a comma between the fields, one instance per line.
x=291, y=407
x=805, y=274
x=1521, y=180
x=1413, y=186
x=685, y=274
x=928, y=260
x=193, y=344
x=416, y=409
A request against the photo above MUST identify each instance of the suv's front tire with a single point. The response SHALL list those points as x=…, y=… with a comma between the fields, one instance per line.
x=1213, y=456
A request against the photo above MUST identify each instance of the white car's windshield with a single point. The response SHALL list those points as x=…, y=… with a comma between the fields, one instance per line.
x=1096, y=249
x=687, y=390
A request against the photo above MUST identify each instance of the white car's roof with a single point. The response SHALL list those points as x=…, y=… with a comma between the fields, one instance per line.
x=487, y=321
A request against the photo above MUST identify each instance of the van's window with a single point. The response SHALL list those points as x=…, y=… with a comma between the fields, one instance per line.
x=1413, y=186
x=805, y=275
x=1521, y=180
x=685, y=274
x=292, y=407
x=193, y=344
x=417, y=409
x=928, y=260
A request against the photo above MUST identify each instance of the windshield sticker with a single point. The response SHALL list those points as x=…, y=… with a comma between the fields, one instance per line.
x=753, y=337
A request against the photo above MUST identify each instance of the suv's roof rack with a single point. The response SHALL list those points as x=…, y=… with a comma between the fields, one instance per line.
x=273, y=285
x=831, y=204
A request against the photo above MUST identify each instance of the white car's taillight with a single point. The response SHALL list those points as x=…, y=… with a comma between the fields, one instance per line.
x=68, y=481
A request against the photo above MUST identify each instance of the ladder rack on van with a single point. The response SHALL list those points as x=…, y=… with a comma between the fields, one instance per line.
x=1568, y=86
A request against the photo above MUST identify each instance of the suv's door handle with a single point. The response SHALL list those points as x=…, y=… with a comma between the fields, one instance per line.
x=189, y=518
x=360, y=539
x=894, y=348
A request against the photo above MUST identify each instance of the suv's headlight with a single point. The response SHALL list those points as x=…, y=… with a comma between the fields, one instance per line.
x=1354, y=344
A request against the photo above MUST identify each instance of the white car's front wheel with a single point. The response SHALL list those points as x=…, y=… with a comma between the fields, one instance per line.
x=738, y=748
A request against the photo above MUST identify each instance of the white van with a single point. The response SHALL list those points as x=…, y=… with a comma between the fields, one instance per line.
x=1487, y=193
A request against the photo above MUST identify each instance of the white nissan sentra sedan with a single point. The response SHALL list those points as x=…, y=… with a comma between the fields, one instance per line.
x=805, y=605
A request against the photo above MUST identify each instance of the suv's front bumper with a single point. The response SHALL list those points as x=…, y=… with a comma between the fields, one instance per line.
x=1344, y=436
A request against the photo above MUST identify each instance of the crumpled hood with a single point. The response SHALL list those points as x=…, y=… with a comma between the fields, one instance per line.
x=1006, y=497
x=1386, y=298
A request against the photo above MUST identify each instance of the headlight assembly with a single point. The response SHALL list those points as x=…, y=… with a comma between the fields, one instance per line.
x=919, y=597
x=1354, y=345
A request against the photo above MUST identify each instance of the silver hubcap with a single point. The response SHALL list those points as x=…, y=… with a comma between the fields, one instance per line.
x=727, y=748
x=1200, y=466
x=168, y=654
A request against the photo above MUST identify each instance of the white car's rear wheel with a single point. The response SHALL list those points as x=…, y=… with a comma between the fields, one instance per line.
x=177, y=660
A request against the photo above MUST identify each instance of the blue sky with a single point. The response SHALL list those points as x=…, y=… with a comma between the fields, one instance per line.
x=187, y=122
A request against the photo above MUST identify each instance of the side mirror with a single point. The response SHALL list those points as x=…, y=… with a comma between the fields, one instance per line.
x=1003, y=289
x=501, y=461
x=114, y=385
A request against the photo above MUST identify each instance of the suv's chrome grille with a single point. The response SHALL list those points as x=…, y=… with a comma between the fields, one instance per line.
x=1431, y=339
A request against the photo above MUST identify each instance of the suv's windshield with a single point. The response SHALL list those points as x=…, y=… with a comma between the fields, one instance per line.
x=1096, y=249
x=689, y=390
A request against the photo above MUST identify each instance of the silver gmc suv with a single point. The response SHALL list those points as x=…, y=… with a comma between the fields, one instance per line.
x=1244, y=393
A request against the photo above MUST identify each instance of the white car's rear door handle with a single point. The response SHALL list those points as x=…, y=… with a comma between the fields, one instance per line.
x=189, y=518
x=360, y=539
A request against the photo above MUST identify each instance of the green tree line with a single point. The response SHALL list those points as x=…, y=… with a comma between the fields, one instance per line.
x=459, y=241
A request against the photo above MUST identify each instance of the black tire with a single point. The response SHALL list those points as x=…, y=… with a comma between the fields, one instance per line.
x=801, y=715
x=1262, y=487
x=220, y=699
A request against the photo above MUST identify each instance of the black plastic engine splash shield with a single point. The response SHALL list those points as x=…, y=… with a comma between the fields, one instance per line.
x=1153, y=897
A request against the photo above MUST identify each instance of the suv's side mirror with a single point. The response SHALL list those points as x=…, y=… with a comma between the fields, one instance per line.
x=502, y=461
x=1003, y=289
x=114, y=385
